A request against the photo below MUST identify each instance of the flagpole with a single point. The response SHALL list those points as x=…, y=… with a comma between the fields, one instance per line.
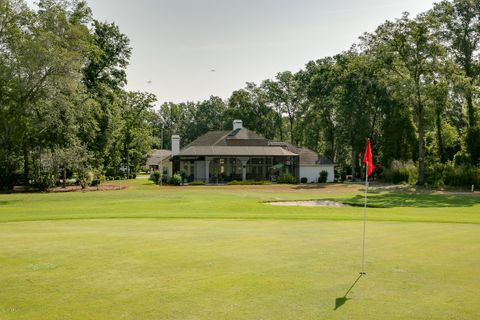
x=364, y=220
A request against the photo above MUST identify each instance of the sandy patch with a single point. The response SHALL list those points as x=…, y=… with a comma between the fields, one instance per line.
x=309, y=203
x=102, y=187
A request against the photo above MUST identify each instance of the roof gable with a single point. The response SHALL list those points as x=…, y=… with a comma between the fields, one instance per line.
x=238, y=137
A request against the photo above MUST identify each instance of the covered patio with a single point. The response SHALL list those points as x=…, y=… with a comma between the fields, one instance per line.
x=217, y=164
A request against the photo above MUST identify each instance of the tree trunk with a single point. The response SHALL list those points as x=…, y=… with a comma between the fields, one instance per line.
x=291, y=131
x=421, y=141
x=127, y=162
x=353, y=163
x=441, y=147
x=470, y=108
x=280, y=127
x=64, y=184
x=26, y=165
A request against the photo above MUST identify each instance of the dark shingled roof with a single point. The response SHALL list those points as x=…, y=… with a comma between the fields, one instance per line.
x=244, y=142
x=307, y=157
x=237, y=151
x=157, y=156
x=210, y=138
x=243, y=137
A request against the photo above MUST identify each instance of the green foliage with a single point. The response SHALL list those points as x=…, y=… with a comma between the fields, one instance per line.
x=286, y=178
x=473, y=144
x=401, y=172
x=438, y=175
x=304, y=180
x=462, y=158
x=176, y=180
x=410, y=86
x=62, y=106
x=323, y=176
x=155, y=177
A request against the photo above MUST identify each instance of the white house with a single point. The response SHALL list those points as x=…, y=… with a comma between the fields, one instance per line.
x=241, y=154
x=160, y=160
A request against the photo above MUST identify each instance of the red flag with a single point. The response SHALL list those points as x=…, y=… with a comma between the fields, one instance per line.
x=367, y=159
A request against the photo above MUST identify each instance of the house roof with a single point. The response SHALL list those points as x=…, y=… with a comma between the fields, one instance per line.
x=244, y=142
x=237, y=151
x=237, y=137
x=307, y=157
x=157, y=156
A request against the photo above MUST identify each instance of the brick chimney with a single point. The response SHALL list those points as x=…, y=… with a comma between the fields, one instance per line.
x=237, y=124
x=175, y=144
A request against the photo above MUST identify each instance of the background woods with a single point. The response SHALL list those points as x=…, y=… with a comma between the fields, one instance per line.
x=411, y=86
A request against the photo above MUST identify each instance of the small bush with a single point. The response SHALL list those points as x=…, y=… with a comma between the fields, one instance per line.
x=401, y=172
x=435, y=175
x=286, y=178
x=438, y=175
x=155, y=177
x=323, y=177
x=183, y=174
x=85, y=177
x=303, y=180
x=197, y=183
x=461, y=176
x=176, y=180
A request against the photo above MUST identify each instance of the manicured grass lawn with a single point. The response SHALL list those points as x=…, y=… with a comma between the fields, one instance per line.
x=220, y=253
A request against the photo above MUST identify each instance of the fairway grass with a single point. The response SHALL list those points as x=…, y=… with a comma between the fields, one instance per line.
x=221, y=253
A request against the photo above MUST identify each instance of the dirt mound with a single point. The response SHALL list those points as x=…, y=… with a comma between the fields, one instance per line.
x=102, y=187
x=308, y=203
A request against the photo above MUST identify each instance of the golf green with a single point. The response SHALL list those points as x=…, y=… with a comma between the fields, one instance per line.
x=220, y=253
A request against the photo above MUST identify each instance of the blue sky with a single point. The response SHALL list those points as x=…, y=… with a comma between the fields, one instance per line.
x=176, y=43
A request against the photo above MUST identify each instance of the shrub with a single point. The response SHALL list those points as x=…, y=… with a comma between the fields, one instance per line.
x=462, y=176
x=435, y=175
x=155, y=177
x=323, y=176
x=197, y=183
x=183, y=175
x=472, y=140
x=401, y=172
x=461, y=158
x=176, y=179
x=286, y=178
x=438, y=175
x=303, y=180
x=85, y=177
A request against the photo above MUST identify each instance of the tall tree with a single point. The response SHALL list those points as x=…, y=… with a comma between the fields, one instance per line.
x=104, y=76
x=457, y=24
x=411, y=52
x=137, y=135
x=250, y=105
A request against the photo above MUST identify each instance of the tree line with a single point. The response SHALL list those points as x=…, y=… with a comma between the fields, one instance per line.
x=63, y=108
x=411, y=86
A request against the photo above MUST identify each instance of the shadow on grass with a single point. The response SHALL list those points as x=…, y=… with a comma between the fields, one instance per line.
x=310, y=186
x=396, y=199
x=342, y=300
x=7, y=202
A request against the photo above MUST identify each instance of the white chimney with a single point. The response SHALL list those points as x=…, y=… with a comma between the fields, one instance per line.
x=237, y=124
x=175, y=144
